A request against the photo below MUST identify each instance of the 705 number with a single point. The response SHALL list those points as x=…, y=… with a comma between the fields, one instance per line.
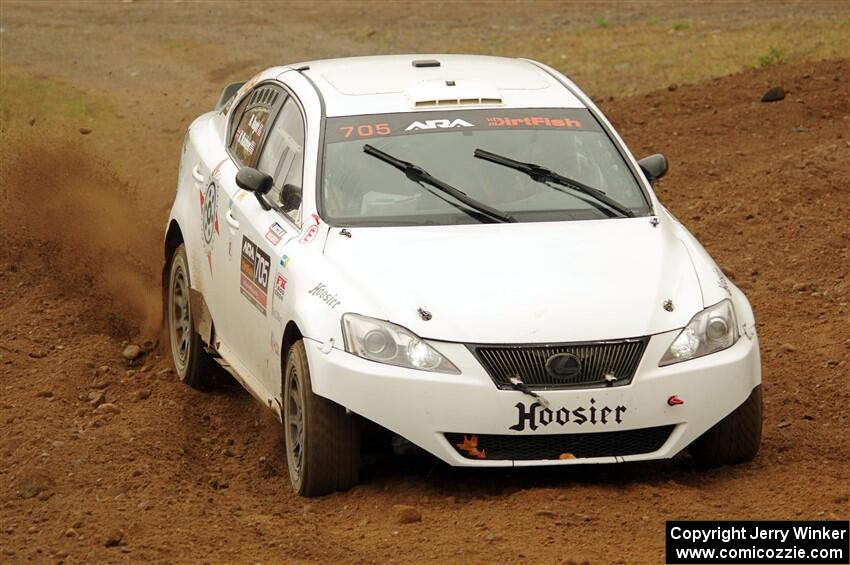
x=366, y=130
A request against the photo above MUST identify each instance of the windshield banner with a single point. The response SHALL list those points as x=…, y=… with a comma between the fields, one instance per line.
x=354, y=128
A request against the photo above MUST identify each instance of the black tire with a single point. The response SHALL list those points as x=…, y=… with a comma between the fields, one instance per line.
x=734, y=439
x=322, y=440
x=193, y=364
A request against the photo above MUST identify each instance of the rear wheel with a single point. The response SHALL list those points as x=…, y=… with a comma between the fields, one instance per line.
x=734, y=439
x=322, y=440
x=194, y=366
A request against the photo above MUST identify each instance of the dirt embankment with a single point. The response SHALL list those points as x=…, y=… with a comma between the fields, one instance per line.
x=103, y=459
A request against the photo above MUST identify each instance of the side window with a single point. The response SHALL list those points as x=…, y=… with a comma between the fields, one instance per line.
x=247, y=136
x=283, y=159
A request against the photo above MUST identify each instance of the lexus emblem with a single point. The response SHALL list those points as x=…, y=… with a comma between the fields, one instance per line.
x=563, y=366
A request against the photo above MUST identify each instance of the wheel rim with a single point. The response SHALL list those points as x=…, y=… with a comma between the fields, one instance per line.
x=180, y=320
x=295, y=423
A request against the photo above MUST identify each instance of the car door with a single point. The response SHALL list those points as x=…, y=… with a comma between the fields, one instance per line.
x=266, y=232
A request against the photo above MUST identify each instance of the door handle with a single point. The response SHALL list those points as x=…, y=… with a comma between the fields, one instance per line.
x=196, y=174
x=231, y=221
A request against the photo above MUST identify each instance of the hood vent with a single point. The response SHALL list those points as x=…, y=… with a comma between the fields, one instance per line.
x=456, y=102
x=443, y=92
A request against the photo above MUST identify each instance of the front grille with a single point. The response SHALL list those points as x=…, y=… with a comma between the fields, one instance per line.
x=560, y=446
x=528, y=362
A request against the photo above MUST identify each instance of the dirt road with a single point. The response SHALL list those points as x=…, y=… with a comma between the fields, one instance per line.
x=102, y=459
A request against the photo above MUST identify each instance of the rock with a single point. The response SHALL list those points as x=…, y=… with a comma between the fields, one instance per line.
x=800, y=287
x=228, y=452
x=218, y=485
x=96, y=398
x=164, y=372
x=546, y=514
x=788, y=348
x=783, y=424
x=491, y=537
x=773, y=94
x=102, y=370
x=141, y=395
x=71, y=533
x=407, y=514
x=44, y=394
x=107, y=408
x=32, y=121
x=85, y=131
x=34, y=483
x=309, y=509
x=131, y=352
x=114, y=538
x=38, y=354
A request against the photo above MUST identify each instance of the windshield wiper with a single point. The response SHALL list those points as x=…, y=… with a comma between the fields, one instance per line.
x=543, y=175
x=471, y=206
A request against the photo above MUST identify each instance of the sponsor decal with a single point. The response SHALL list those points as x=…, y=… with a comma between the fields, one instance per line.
x=209, y=212
x=254, y=275
x=280, y=287
x=536, y=415
x=534, y=121
x=284, y=261
x=321, y=291
x=243, y=140
x=275, y=233
x=358, y=128
x=441, y=124
x=311, y=232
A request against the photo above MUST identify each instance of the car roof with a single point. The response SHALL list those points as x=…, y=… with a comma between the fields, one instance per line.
x=404, y=83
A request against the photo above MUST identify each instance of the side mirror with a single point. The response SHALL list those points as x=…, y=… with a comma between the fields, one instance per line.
x=654, y=166
x=252, y=180
x=290, y=197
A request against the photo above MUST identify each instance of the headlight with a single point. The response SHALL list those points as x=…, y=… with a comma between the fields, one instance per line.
x=384, y=342
x=713, y=329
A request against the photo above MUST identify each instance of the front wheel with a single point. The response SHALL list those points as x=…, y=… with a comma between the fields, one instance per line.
x=322, y=440
x=734, y=439
x=194, y=366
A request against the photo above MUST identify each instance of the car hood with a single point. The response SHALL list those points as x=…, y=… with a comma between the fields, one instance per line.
x=521, y=283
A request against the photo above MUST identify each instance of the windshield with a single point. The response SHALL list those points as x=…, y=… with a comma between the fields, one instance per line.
x=360, y=190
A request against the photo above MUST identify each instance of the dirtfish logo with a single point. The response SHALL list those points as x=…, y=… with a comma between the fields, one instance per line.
x=442, y=124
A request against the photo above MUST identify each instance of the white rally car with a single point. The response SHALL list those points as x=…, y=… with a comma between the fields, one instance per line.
x=459, y=249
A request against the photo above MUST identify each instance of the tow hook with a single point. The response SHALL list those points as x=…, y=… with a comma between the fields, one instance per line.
x=675, y=401
x=520, y=386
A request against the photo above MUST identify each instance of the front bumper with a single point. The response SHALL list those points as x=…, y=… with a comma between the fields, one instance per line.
x=422, y=406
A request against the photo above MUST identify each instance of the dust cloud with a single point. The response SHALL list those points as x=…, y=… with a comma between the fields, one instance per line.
x=96, y=232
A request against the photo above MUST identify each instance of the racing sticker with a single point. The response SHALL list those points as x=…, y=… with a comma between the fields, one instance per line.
x=321, y=291
x=311, y=232
x=209, y=212
x=352, y=128
x=535, y=415
x=275, y=233
x=280, y=287
x=284, y=261
x=254, y=275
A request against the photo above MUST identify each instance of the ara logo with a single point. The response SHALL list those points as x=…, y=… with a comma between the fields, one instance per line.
x=442, y=124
